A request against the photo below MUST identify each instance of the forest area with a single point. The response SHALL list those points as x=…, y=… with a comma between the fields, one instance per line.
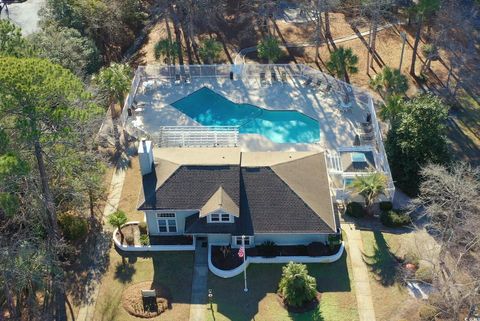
x=420, y=59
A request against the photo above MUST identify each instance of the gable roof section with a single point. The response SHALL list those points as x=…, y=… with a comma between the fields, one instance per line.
x=191, y=186
x=220, y=200
x=273, y=207
x=307, y=177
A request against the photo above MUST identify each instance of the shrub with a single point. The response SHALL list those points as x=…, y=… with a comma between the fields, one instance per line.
x=355, y=209
x=129, y=239
x=73, y=227
x=144, y=240
x=142, y=226
x=424, y=273
x=334, y=241
x=268, y=249
x=411, y=258
x=394, y=219
x=427, y=312
x=385, y=206
x=317, y=249
x=296, y=286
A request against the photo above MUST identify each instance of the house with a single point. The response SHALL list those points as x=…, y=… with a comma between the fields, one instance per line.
x=224, y=193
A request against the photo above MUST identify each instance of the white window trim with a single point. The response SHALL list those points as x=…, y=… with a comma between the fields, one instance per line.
x=230, y=218
x=166, y=219
x=249, y=239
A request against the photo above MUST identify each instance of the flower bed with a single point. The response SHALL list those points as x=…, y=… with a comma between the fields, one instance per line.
x=226, y=258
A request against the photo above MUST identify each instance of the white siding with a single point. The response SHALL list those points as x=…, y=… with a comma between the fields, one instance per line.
x=151, y=218
x=219, y=239
x=291, y=239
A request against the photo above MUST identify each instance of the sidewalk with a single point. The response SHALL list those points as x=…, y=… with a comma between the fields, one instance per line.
x=86, y=311
x=199, y=284
x=361, y=280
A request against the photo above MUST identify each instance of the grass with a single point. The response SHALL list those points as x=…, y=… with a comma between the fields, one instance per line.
x=131, y=190
x=390, y=299
x=173, y=270
x=338, y=300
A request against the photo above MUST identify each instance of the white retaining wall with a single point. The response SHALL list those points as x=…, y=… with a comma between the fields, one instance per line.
x=150, y=248
x=269, y=260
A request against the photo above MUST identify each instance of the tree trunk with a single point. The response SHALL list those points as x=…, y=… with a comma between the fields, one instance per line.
x=374, y=38
x=53, y=233
x=318, y=30
x=328, y=33
x=178, y=37
x=415, y=46
x=187, y=42
x=346, y=77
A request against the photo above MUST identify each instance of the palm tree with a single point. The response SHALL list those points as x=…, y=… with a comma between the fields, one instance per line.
x=118, y=219
x=370, y=187
x=423, y=10
x=391, y=109
x=269, y=48
x=296, y=286
x=114, y=82
x=391, y=81
x=342, y=62
x=167, y=49
x=210, y=50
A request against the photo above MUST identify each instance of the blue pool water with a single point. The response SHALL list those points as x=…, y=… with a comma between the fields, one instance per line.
x=280, y=126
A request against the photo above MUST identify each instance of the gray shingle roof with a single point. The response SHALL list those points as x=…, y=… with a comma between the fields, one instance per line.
x=274, y=208
x=268, y=203
x=190, y=187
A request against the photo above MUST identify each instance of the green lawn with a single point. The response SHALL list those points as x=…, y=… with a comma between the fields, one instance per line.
x=390, y=300
x=338, y=300
x=173, y=270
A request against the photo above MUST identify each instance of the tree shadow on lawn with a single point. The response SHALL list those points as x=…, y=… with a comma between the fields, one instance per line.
x=233, y=303
x=383, y=263
x=124, y=272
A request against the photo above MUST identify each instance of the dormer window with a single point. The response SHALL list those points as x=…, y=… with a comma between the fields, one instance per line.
x=220, y=218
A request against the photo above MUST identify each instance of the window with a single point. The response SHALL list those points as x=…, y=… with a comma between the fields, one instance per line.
x=165, y=215
x=248, y=240
x=220, y=218
x=166, y=223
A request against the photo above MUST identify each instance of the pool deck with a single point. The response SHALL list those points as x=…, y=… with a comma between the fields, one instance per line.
x=337, y=129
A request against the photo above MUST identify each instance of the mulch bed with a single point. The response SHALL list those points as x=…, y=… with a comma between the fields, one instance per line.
x=128, y=231
x=309, y=306
x=227, y=262
x=136, y=305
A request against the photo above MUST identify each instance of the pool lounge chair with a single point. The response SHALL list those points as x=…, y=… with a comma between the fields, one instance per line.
x=329, y=87
x=177, y=79
x=263, y=79
x=318, y=83
x=187, y=79
x=283, y=76
x=308, y=81
x=274, y=76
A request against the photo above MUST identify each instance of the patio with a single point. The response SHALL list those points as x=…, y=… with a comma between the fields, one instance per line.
x=303, y=89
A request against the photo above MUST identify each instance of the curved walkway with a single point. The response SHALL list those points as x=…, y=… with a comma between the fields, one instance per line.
x=242, y=52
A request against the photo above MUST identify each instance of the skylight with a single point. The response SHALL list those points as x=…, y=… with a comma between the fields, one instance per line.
x=358, y=158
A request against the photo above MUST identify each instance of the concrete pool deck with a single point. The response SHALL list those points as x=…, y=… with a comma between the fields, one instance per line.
x=337, y=128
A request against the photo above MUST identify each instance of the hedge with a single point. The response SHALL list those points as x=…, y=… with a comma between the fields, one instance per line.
x=355, y=209
x=394, y=219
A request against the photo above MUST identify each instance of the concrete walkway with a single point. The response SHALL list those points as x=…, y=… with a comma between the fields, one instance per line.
x=86, y=311
x=361, y=279
x=198, y=307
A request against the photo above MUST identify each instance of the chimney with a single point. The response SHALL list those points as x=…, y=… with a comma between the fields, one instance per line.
x=145, y=156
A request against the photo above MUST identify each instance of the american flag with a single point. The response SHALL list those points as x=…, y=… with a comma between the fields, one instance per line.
x=241, y=252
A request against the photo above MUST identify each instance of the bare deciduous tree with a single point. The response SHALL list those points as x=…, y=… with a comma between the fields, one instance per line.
x=450, y=199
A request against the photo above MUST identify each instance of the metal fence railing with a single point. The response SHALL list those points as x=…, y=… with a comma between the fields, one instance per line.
x=198, y=136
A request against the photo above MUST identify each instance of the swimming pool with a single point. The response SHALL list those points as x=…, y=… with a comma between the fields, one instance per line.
x=280, y=126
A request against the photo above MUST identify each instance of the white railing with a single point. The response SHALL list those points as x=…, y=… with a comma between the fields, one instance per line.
x=198, y=136
x=271, y=260
x=130, y=97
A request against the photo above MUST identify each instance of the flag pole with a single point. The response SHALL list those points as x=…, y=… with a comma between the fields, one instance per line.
x=244, y=266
